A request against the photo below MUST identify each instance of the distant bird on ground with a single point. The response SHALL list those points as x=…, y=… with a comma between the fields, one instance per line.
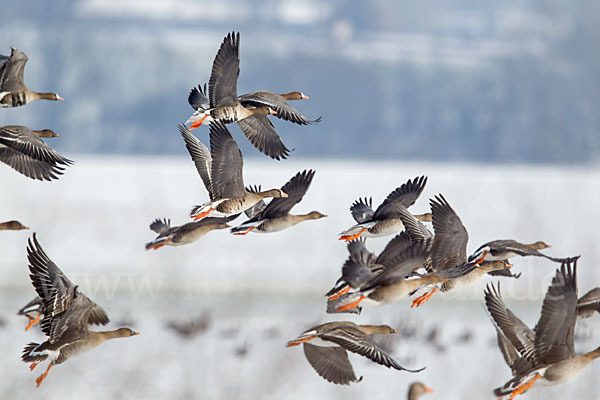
x=546, y=355
x=418, y=389
x=449, y=250
x=12, y=226
x=67, y=315
x=385, y=220
x=33, y=311
x=276, y=216
x=13, y=92
x=23, y=150
x=326, y=351
x=221, y=172
x=502, y=250
x=191, y=328
x=249, y=111
x=186, y=233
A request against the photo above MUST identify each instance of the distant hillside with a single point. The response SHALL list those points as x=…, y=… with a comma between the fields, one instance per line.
x=449, y=80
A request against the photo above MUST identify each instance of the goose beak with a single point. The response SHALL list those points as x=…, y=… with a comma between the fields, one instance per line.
x=304, y=97
x=135, y=333
x=272, y=112
x=59, y=98
x=283, y=194
x=395, y=331
x=428, y=390
x=25, y=227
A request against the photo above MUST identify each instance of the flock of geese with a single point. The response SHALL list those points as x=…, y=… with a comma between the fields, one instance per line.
x=415, y=260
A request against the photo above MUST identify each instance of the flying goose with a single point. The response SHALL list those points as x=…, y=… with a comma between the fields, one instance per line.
x=24, y=151
x=13, y=92
x=327, y=354
x=384, y=220
x=221, y=172
x=545, y=355
x=66, y=317
x=276, y=215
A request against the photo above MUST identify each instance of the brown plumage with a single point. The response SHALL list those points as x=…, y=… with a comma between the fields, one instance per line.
x=66, y=316
x=221, y=172
x=13, y=92
x=276, y=216
x=12, y=226
x=417, y=389
x=24, y=151
x=547, y=353
x=385, y=220
x=186, y=233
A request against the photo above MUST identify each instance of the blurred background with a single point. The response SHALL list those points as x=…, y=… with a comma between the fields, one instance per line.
x=496, y=102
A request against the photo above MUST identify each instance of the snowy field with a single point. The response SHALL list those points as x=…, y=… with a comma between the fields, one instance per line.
x=262, y=290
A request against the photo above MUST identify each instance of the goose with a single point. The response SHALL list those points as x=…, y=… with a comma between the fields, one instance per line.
x=276, y=215
x=66, y=317
x=545, y=355
x=386, y=278
x=418, y=389
x=329, y=342
x=184, y=234
x=24, y=151
x=13, y=92
x=199, y=101
x=12, y=226
x=384, y=220
x=449, y=248
x=507, y=248
x=221, y=172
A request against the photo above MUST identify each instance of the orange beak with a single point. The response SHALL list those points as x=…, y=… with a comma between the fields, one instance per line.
x=428, y=390
x=304, y=97
x=59, y=98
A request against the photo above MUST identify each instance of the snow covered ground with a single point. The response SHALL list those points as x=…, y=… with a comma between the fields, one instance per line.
x=262, y=290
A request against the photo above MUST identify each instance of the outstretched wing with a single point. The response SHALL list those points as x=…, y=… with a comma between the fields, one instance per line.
x=451, y=237
x=225, y=71
x=295, y=188
x=354, y=340
x=200, y=155
x=226, y=169
x=11, y=71
x=554, y=331
x=274, y=101
x=262, y=134
x=362, y=209
x=406, y=195
x=520, y=336
x=331, y=363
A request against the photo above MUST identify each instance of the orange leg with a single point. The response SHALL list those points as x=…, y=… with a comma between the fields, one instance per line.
x=348, y=238
x=43, y=376
x=196, y=124
x=422, y=299
x=33, y=321
x=159, y=245
x=32, y=366
x=244, y=233
x=300, y=341
x=350, y=306
x=202, y=214
x=523, y=387
x=480, y=260
x=342, y=291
